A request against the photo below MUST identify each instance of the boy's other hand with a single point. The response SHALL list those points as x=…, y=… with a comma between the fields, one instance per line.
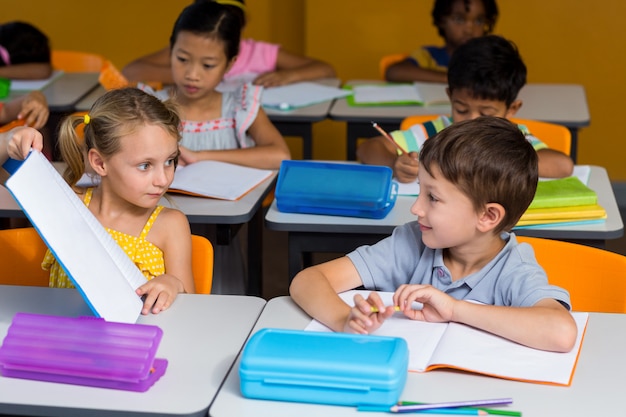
x=406, y=166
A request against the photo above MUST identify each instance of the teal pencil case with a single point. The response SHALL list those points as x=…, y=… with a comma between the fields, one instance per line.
x=324, y=368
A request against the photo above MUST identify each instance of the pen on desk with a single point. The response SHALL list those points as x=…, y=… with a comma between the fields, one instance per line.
x=388, y=137
x=375, y=309
x=446, y=411
x=454, y=404
x=488, y=411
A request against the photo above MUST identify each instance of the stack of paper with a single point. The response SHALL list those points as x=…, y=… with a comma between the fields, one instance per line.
x=562, y=201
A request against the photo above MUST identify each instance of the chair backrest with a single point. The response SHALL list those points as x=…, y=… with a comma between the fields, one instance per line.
x=76, y=61
x=388, y=60
x=557, y=137
x=21, y=253
x=417, y=119
x=595, y=278
x=22, y=250
x=202, y=263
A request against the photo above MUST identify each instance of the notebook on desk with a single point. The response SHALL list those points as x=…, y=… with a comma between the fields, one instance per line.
x=417, y=94
x=31, y=85
x=297, y=95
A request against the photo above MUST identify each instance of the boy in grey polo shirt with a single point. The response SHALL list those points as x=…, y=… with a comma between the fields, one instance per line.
x=477, y=179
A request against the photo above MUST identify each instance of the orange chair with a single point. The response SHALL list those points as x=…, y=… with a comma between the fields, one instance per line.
x=22, y=250
x=389, y=60
x=76, y=61
x=417, y=119
x=595, y=278
x=11, y=125
x=557, y=137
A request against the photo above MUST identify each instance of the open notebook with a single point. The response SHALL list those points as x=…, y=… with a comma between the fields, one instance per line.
x=418, y=93
x=302, y=94
x=98, y=267
x=454, y=345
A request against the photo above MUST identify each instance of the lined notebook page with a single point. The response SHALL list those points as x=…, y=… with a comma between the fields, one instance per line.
x=99, y=268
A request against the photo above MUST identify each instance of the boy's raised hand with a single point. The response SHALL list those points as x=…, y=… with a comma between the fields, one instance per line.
x=362, y=319
x=406, y=166
x=438, y=307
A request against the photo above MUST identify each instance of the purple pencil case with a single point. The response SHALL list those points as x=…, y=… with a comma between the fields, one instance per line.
x=82, y=351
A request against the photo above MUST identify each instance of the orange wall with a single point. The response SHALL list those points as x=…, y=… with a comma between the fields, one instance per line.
x=560, y=40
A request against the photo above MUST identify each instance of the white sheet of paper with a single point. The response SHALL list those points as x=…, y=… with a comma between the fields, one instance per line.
x=31, y=85
x=99, y=268
x=293, y=96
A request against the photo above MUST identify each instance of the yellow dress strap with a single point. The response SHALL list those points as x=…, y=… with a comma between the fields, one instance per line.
x=87, y=197
x=150, y=222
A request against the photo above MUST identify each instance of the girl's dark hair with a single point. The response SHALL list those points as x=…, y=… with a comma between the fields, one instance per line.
x=24, y=43
x=212, y=20
x=443, y=9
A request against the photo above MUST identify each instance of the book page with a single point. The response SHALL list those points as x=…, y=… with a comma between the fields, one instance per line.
x=421, y=337
x=454, y=345
x=217, y=179
x=385, y=93
x=99, y=268
x=471, y=349
x=293, y=96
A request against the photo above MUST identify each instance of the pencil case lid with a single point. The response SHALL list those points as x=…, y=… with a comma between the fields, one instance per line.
x=82, y=351
x=324, y=367
x=335, y=188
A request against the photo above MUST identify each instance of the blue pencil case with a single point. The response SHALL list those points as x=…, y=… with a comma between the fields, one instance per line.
x=337, y=189
x=324, y=368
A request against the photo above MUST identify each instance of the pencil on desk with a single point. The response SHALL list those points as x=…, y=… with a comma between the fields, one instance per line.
x=389, y=138
x=375, y=309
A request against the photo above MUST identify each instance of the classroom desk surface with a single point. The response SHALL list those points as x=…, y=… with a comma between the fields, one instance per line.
x=564, y=104
x=596, y=388
x=317, y=233
x=225, y=214
x=297, y=122
x=202, y=335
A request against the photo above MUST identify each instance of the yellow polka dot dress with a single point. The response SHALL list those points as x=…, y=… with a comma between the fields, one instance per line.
x=147, y=257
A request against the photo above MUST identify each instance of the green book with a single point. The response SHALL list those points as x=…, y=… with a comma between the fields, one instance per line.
x=563, y=192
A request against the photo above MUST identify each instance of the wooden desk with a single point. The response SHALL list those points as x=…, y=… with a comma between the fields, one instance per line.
x=596, y=388
x=202, y=335
x=564, y=104
x=298, y=122
x=227, y=215
x=315, y=233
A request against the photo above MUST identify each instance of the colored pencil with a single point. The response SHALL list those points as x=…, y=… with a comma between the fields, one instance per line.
x=489, y=411
x=453, y=404
x=388, y=137
x=375, y=309
x=447, y=411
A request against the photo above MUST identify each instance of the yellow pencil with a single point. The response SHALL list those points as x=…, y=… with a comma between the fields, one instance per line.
x=375, y=309
x=388, y=137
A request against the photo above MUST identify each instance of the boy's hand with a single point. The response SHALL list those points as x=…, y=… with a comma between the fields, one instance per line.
x=438, y=307
x=159, y=293
x=406, y=166
x=362, y=320
x=34, y=110
x=21, y=140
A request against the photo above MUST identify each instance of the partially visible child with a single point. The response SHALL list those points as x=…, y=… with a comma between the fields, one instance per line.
x=24, y=52
x=477, y=178
x=457, y=21
x=31, y=107
x=231, y=126
x=262, y=63
x=484, y=79
x=131, y=142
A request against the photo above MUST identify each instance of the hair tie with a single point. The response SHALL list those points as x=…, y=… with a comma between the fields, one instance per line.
x=232, y=3
x=86, y=119
x=4, y=56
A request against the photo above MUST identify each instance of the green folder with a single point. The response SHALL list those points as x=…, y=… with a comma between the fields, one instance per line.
x=563, y=192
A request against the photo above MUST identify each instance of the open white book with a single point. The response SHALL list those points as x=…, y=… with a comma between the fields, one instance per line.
x=418, y=93
x=217, y=179
x=98, y=267
x=302, y=94
x=454, y=345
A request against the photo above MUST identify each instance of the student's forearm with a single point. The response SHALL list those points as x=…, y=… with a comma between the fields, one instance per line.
x=541, y=327
x=407, y=72
x=554, y=164
x=374, y=152
x=31, y=71
x=312, y=292
x=263, y=157
x=147, y=72
x=312, y=71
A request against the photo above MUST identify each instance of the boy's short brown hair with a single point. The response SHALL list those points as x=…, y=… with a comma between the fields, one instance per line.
x=490, y=161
